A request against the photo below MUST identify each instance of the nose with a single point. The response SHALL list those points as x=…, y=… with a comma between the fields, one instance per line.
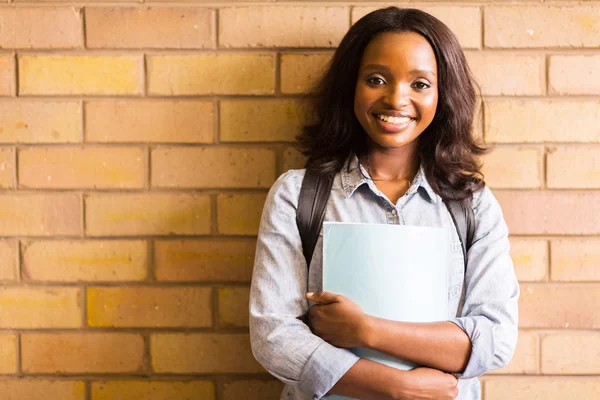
x=397, y=96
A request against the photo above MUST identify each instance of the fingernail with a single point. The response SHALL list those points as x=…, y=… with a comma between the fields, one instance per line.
x=310, y=294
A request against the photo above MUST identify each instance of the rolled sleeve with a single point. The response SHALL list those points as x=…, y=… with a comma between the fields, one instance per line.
x=490, y=312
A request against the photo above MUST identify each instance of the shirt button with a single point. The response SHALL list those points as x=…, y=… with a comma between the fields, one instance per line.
x=394, y=212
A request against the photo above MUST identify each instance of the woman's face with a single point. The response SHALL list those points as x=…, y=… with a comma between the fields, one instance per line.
x=396, y=93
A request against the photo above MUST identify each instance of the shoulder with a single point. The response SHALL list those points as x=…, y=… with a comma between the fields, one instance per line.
x=287, y=187
x=487, y=211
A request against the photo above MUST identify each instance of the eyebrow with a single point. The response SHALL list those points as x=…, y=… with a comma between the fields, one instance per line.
x=379, y=67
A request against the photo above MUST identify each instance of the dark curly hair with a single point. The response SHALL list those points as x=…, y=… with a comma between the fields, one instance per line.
x=447, y=148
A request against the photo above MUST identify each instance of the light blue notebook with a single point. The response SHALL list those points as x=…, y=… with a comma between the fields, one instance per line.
x=395, y=272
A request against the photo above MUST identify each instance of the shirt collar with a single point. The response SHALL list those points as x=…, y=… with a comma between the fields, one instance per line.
x=354, y=175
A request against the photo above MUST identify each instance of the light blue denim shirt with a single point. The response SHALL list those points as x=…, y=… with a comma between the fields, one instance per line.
x=483, y=302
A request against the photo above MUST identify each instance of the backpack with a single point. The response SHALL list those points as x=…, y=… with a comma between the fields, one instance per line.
x=315, y=190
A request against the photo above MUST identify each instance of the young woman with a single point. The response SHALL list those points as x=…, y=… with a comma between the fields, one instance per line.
x=395, y=109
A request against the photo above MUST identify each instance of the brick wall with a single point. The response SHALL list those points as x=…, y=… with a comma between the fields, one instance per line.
x=137, y=144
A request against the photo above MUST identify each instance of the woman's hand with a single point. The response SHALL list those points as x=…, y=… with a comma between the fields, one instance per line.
x=337, y=320
x=428, y=384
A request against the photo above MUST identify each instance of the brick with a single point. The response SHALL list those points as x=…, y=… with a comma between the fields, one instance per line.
x=584, y=351
x=300, y=72
x=35, y=389
x=181, y=121
x=40, y=214
x=573, y=167
x=464, y=22
x=82, y=167
x=575, y=259
x=7, y=168
x=526, y=358
x=292, y=159
x=530, y=257
x=40, y=122
x=239, y=214
x=226, y=167
x=80, y=75
x=282, y=26
x=8, y=353
x=88, y=352
x=516, y=167
x=221, y=353
x=559, y=306
x=535, y=121
x=233, y=306
x=9, y=255
x=252, y=390
x=264, y=120
x=574, y=74
x=35, y=307
x=132, y=307
x=85, y=260
x=544, y=212
x=7, y=74
x=36, y=28
x=152, y=390
x=509, y=74
x=211, y=260
x=133, y=28
x=545, y=26
x=550, y=388
x=202, y=74
x=147, y=214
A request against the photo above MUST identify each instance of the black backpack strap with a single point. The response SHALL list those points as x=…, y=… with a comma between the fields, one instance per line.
x=464, y=221
x=314, y=193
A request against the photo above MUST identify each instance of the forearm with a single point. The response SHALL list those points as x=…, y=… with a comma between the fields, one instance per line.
x=369, y=380
x=439, y=345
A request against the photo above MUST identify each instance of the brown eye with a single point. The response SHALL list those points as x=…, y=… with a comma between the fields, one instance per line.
x=376, y=81
x=421, y=85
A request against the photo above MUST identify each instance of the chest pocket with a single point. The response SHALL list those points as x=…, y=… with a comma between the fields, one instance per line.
x=457, y=271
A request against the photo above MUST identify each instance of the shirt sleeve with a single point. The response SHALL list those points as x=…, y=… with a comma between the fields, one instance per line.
x=490, y=312
x=281, y=342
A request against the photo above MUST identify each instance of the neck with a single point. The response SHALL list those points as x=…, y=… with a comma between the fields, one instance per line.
x=399, y=164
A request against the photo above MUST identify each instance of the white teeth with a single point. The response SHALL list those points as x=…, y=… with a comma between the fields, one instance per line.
x=393, y=120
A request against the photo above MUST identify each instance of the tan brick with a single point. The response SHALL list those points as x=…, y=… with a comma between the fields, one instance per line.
x=550, y=388
x=88, y=352
x=147, y=214
x=80, y=74
x=544, y=212
x=233, y=306
x=82, y=167
x=221, y=353
x=530, y=257
x=582, y=357
x=153, y=390
x=525, y=360
x=292, y=159
x=36, y=28
x=149, y=307
x=89, y=260
x=8, y=353
x=203, y=74
x=8, y=257
x=282, y=26
x=181, y=121
x=212, y=260
x=559, y=306
x=239, y=214
x=534, y=121
x=177, y=167
x=133, y=28
x=509, y=74
x=574, y=74
x=575, y=259
x=40, y=214
x=252, y=390
x=300, y=72
x=36, y=389
x=464, y=22
x=264, y=120
x=35, y=307
x=542, y=26
x=7, y=168
x=40, y=122
x=7, y=74
x=573, y=167
x=516, y=167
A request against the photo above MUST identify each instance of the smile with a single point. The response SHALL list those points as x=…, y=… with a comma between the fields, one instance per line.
x=393, y=120
x=391, y=124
